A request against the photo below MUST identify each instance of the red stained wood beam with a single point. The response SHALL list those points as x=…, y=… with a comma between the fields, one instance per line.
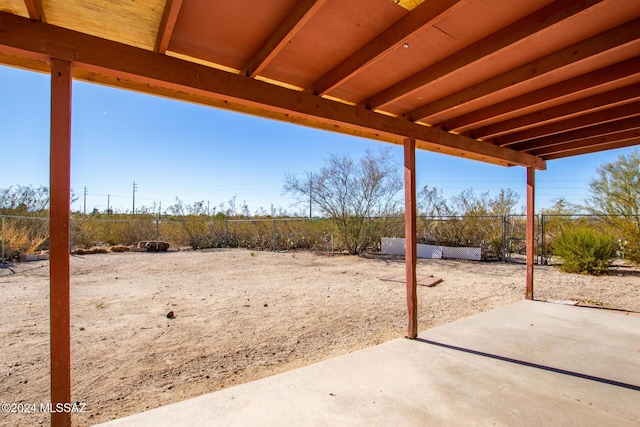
x=59, y=230
x=603, y=116
x=598, y=45
x=530, y=232
x=411, y=248
x=610, y=99
x=626, y=71
x=35, y=9
x=424, y=15
x=596, y=148
x=592, y=143
x=521, y=29
x=283, y=33
x=167, y=24
x=118, y=65
x=545, y=144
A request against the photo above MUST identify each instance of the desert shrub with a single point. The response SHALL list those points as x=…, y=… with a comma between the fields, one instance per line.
x=86, y=233
x=193, y=231
x=111, y=230
x=584, y=250
x=625, y=230
x=295, y=234
x=24, y=235
x=25, y=228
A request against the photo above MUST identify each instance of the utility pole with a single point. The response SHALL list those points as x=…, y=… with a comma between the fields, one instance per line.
x=135, y=188
x=310, y=192
x=85, y=200
x=108, y=204
x=158, y=225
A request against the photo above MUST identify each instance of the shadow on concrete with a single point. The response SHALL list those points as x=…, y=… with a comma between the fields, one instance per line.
x=531, y=365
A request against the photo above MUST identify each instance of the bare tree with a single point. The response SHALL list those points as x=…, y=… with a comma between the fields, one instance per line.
x=24, y=200
x=352, y=193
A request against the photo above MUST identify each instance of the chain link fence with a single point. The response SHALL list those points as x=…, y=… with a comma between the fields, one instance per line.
x=624, y=230
x=499, y=237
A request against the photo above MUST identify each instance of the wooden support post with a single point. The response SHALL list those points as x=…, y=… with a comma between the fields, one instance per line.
x=59, y=231
x=411, y=251
x=530, y=230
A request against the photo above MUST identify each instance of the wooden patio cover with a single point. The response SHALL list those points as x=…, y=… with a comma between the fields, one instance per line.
x=514, y=83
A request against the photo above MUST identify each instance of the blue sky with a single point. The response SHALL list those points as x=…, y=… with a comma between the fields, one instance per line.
x=176, y=149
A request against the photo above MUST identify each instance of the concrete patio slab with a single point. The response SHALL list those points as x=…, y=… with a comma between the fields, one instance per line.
x=528, y=364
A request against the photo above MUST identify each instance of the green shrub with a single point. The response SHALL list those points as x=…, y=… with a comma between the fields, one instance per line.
x=584, y=250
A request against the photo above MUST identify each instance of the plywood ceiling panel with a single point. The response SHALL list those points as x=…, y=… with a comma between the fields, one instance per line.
x=15, y=7
x=134, y=23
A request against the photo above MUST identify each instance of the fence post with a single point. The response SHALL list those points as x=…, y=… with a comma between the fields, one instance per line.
x=542, y=245
x=226, y=242
x=333, y=234
x=273, y=236
x=503, y=255
x=3, y=240
x=158, y=231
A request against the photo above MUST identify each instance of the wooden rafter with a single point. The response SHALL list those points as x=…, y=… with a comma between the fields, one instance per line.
x=604, y=76
x=424, y=15
x=525, y=27
x=608, y=99
x=597, y=45
x=124, y=66
x=35, y=9
x=593, y=143
x=285, y=31
x=631, y=123
x=594, y=148
x=603, y=116
x=167, y=25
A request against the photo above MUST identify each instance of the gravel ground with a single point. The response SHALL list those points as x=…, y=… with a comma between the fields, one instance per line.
x=239, y=316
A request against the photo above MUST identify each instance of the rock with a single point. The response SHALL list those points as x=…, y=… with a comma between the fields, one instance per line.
x=154, y=246
x=94, y=250
x=120, y=248
x=170, y=315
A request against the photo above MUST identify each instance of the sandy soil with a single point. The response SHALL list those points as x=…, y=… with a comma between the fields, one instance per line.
x=239, y=316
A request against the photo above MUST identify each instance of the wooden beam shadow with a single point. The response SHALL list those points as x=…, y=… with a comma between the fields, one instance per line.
x=532, y=365
x=422, y=280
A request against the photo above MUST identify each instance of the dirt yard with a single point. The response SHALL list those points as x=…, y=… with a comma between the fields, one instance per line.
x=239, y=316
